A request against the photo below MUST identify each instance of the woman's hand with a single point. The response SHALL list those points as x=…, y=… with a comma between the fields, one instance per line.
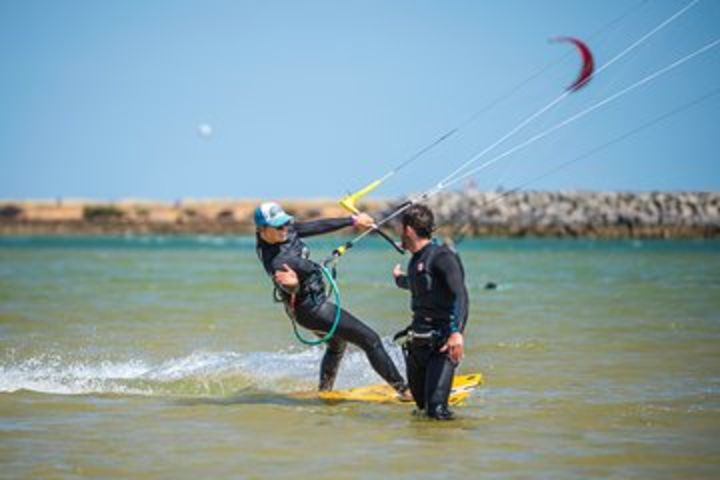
x=363, y=220
x=287, y=278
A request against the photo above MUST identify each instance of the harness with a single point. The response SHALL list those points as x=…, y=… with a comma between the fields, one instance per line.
x=312, y=290
x=409, y=339
x=409, y=336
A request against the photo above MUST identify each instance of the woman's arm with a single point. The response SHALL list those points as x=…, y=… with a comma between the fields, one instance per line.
x=318, y=227
x=327, y=225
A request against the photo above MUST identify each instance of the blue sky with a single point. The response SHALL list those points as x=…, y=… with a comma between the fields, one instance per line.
x=312, y=99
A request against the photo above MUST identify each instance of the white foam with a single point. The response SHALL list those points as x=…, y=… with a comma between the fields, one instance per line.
x=51, y=374
x=198, y=372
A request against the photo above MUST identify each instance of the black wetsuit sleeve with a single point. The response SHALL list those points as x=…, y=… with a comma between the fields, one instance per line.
x=402, y=282
x=447, y=266
x=318, y=227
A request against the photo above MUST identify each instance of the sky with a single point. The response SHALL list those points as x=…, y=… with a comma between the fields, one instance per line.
x=171, y=99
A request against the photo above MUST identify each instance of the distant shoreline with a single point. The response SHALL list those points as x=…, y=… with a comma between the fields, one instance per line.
x=469, y=213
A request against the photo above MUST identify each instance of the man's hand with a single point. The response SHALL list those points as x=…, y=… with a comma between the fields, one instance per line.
x=363, y=220
x=454, y=347
x=287, y=277
x=398, y=271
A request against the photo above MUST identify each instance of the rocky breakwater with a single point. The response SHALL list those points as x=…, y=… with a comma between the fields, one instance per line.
x=578, y=214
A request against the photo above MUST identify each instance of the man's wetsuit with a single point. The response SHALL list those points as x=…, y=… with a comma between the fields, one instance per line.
x=440, y=307
x=313, y=311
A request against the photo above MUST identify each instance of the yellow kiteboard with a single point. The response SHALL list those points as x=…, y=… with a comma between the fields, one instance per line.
x=462, y=387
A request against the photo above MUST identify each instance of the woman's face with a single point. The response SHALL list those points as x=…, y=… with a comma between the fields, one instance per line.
x=274, y=234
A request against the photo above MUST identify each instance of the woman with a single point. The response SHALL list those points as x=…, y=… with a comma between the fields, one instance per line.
x=300, y=285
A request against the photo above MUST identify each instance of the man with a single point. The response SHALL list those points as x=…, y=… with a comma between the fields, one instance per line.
x=300, y=285
x=434, y=345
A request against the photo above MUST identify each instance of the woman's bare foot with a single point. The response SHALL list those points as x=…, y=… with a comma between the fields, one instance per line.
x=405, y=396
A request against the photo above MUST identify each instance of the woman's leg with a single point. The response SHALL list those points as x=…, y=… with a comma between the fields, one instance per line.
x=330, y=363
x=351, y=329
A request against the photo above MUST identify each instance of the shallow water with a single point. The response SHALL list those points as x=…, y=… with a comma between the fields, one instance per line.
x=164, y=357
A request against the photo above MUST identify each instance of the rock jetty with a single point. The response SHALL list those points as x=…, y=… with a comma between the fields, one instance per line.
x=579, y=214
x=467, y=213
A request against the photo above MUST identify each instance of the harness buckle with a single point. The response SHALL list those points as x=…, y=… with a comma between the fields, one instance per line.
x=421, y=337
x=409, y=336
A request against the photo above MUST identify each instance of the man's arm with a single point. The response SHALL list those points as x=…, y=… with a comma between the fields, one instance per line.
x=447, y=266
x=401, y=278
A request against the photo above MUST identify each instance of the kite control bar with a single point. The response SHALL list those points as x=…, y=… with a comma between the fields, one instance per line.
x=348, y=203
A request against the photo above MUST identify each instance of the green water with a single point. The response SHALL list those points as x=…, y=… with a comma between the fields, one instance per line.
x=161, y=357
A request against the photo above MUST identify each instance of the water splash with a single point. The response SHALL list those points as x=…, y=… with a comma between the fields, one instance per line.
x=53, y=374
x=199, y=373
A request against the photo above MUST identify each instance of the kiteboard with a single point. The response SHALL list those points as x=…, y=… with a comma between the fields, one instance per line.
x=463, y=386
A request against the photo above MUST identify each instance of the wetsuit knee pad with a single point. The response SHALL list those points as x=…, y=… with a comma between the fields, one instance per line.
x=371, y=341
x=376, y=344
x=336, y=348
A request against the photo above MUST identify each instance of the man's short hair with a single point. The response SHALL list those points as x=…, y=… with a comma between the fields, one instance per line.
x=421, y=219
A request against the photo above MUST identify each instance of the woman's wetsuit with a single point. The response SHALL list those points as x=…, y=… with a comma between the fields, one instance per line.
x=313, y=311
x=440, y=307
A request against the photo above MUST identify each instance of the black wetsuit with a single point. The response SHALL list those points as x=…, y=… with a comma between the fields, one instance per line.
x=313, y=311
x=440, y=307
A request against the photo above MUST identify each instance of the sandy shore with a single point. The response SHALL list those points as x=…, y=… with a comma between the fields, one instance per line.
x=473, y=213
x=223, y=216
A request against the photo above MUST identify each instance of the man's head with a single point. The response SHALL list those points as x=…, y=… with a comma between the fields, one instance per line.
x=418, y=224
x=271, y=222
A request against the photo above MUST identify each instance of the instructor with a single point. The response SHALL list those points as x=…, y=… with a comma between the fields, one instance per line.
x=434, y=339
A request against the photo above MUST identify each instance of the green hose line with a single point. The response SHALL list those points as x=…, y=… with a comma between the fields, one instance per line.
x=331, y=332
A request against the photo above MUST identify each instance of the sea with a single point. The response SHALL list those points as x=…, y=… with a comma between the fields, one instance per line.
x=165, y=357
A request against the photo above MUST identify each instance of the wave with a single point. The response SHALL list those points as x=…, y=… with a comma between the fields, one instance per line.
x=197, y=374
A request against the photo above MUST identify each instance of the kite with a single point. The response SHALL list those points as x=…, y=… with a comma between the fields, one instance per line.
x=588, y=63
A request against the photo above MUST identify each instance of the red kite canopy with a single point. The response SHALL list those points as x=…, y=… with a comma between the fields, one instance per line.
x=588, y=64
